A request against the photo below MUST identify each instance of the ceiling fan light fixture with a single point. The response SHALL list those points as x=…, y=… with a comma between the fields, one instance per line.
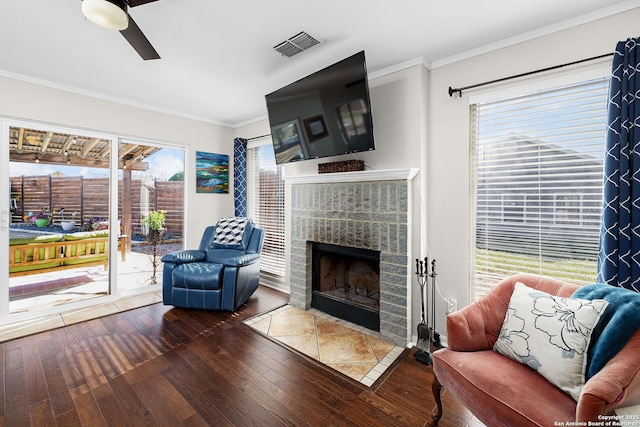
x=111, y=14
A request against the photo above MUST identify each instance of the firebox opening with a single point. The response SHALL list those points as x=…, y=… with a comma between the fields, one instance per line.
x=346, y=283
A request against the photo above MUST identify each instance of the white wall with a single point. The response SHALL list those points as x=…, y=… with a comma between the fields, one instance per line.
x=23, y=100
x=416, y=124
x=398, y=104
x=435, y=136
x=448, y=228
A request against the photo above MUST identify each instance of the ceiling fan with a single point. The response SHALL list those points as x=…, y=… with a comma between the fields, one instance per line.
x=112, y=14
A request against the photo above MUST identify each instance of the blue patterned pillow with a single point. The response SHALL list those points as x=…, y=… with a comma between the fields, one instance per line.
x=230, y=231
x=550, y=334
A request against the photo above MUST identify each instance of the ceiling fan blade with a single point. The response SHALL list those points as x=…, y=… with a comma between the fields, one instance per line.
x=134, y=3
x=139, y=41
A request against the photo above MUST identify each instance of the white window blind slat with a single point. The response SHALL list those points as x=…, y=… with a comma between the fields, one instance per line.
x=537, y=175
x=265, y=205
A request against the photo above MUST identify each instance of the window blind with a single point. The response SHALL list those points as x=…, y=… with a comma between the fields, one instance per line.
x=265, y=203
x=537, y=171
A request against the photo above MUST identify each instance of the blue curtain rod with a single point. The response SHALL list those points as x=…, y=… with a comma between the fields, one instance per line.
x=453, y=91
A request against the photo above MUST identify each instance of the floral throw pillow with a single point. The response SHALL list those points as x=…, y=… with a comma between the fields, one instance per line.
x=550, y=334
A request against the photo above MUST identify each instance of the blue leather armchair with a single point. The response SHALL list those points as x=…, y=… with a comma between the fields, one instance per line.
x=221, y=274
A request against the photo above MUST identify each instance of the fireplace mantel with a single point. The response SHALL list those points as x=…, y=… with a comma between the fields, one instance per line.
x=359, y=176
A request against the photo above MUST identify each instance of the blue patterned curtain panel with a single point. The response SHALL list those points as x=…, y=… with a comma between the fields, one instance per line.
x=240, y=176
x=619, y=256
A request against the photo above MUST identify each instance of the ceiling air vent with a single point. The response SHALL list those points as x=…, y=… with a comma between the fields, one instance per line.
x=296, y=44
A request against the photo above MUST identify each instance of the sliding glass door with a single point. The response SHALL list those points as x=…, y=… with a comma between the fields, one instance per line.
x=59, y=216
x=73, y=216
x=151, y=181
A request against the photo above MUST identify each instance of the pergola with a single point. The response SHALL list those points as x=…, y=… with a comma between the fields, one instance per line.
x=37, y=146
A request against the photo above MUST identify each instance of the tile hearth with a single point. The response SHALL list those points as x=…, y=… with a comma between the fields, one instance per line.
x=350, y=349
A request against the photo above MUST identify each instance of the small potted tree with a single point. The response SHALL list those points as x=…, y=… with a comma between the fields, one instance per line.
x=154, y=221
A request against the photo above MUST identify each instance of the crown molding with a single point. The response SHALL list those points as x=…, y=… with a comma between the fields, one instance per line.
x=540, y=32
x=103, y=97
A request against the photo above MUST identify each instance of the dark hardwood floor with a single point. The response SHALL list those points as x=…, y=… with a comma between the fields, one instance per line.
x=162, y=366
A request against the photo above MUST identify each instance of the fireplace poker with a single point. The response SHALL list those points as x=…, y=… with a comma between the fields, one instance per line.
x=435, y=335
x=422, y=275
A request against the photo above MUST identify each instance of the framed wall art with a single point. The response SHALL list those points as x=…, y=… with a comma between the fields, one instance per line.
x=212, y=172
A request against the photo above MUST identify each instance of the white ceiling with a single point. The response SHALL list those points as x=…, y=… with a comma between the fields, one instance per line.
x=218, y=60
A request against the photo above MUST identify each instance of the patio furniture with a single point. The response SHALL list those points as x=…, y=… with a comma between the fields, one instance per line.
x=53, y=252
x=32, y=255
x=221, y=274
x=500, y=391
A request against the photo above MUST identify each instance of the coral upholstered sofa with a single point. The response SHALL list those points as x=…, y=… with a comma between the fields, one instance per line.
x=502, y=392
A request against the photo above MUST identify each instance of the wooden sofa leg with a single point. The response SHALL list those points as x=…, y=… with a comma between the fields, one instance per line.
x=436, y=389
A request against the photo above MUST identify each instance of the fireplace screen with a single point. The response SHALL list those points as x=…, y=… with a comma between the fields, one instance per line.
x=346, y=283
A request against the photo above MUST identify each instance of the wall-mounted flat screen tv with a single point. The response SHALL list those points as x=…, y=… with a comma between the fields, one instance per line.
x=324, y=114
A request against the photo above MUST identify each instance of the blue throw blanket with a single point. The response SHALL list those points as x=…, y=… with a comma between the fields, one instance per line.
x=620, y=320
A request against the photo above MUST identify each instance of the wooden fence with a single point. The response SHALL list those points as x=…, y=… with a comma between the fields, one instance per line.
x=88, y=198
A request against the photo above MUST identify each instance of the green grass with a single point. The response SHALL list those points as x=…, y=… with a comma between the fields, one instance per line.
x=503, y=264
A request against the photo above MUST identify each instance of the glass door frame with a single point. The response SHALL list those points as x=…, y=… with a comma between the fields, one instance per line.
x=5, y=124
x=186, y=179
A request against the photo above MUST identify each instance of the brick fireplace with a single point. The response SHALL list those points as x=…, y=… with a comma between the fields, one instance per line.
x=366, y=210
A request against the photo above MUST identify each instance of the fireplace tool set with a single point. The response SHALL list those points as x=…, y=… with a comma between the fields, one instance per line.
x=428, y=336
